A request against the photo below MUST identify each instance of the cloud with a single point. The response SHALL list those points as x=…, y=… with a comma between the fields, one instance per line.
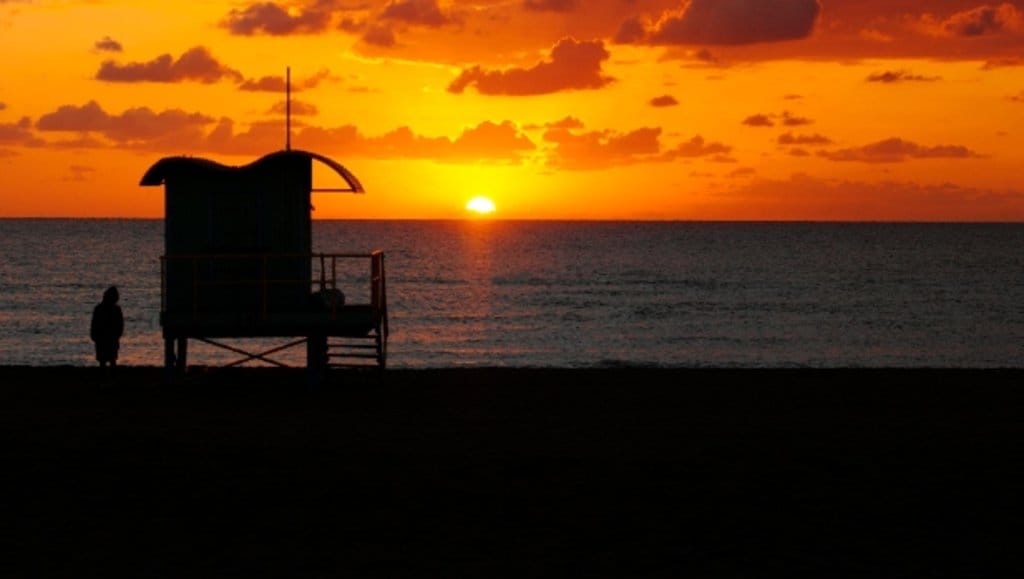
x=276, y=83
x=298, y=108
x=18, y=132
x=3, y=106
x=804, y=197
x=108, y=44
x=419, y=12
x=272, y=19
x=80, y=173
x=576, y=150
x=378, y=35
x=550, y=5
x=140, y=125
x=664, y=101
x=196, y=64
x=759, y=120
x=1003, y=62
x=791, y=120
x=1017, y=98
x=896, y=150
x=893, y=76
x=815, y=139
x=485, y=142
x=573, y=65
x=602, y=149
x=980, y=21
x=630, y=31
x=698, y=147
x=736, y=22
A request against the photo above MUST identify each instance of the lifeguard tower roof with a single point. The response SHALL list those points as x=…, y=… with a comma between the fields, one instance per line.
x=185, y=166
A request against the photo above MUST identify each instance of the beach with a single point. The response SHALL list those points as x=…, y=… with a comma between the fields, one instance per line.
x=619, y=472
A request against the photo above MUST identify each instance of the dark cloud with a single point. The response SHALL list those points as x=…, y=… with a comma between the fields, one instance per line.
x=602, y=149
x=196, y=64
x=139, y=125
x=759, y=120
x=741, y=172
x=276, y=84
x=630, y=32
x=1017, y=98
x=893, y=76
x=798, y=152
x=573, y=65
x=550, y=5
x=486, y=142
x=791, y=120
x=419, y=12
x=1003, y=62
x=698, y=147
x=298, y=108
x=18, y=132
x=896, y=150
x=3, y=106
x=380, y=35
x=815, y=139
x=983, y=20
x=108, y=44
x=736, y=22
x=664, y=101
x=273, y=19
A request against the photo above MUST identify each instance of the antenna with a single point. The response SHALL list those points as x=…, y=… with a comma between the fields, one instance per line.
x=288, y=109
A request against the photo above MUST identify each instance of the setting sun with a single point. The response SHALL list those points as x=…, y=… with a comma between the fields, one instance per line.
x=480, y=206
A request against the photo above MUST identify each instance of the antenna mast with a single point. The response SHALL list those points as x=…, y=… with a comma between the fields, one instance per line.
x=288, y=109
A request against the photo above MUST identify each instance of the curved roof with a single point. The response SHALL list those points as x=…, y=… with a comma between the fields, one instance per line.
x=158, y=173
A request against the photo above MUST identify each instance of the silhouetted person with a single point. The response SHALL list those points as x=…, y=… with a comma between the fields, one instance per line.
x=107, y=327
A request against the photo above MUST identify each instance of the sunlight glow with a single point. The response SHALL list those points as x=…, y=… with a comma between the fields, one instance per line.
x=480, y=206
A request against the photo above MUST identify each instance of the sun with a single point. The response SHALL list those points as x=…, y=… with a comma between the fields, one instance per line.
x=480, y=206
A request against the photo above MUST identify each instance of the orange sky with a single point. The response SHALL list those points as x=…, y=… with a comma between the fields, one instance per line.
x=555, y=109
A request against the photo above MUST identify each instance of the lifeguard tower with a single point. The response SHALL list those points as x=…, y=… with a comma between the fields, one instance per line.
x=239, y=263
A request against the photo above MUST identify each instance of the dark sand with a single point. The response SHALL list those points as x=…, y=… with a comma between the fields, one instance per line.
x=513, y=473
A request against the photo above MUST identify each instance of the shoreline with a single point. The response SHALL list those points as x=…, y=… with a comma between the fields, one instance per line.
x=513, y=472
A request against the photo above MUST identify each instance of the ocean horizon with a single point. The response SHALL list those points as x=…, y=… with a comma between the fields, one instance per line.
x=552, y=293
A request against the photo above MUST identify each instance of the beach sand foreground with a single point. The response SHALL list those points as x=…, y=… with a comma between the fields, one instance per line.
x=512, y=473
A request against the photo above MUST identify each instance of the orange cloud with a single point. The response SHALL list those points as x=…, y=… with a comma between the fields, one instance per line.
x=894, y=76
x=550, y=5
x=758, y=120
x=18, y=133
x=815, y=139
x=896, y=150
x=980, y=21
x=380, y=35
x=272, y=19
x=573, y=65
x=298, y=108
x=418, y=12
x=196, y=64
x=486, y=142
x=698, y=147
x=664, y=101
x=108, y=44
x=601, y=149
x=808, y=198
x=736, y=22
x=277, y=83
x=139, y=125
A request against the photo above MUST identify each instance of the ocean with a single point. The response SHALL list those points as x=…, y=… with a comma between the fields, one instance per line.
x=579, y=294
